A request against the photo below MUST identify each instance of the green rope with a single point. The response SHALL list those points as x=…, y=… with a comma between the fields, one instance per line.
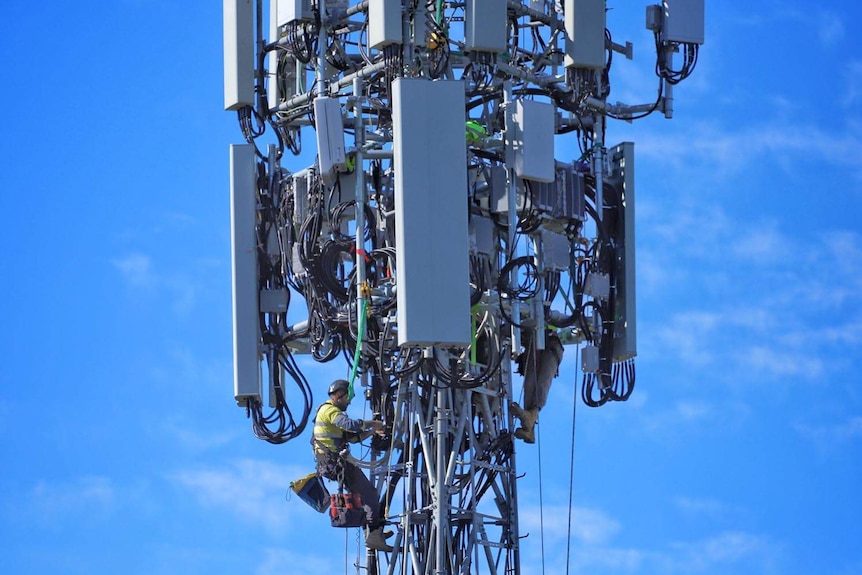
x=360, y=334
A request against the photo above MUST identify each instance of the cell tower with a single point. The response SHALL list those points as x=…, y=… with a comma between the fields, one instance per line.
x=436, y=244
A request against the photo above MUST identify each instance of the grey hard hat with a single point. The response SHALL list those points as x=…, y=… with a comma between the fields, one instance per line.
x=339, y=385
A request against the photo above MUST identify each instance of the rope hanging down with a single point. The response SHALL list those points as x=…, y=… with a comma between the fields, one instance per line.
x=360, y=334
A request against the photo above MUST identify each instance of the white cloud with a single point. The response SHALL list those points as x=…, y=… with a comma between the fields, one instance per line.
x=700, y=506
x=830, y=27
x=830, y=435
x=692, y=415
x=693, y=410
x=686, y=335
x=709, y=148
x=765, y=244
x=590, y=526
x=83, y=499
x=595, y=560
x=275, y=560
x=770, y=304
x=137, y=270
x=693, y=227
x=725, y=549
x=140, y=274
x=747, y=344
x=730, y=551
x=733, y=552
x=853, y=83
x=196, y=439
x=254, y=491
x=845, y=249
x=184, y=368
x=778, y=361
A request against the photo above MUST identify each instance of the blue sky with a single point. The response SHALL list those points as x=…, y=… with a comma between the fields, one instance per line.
x=122, y=448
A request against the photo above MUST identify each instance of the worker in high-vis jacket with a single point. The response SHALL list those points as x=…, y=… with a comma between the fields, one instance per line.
x=333, y=431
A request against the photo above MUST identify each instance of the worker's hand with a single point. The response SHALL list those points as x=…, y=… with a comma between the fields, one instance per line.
x=376, y=427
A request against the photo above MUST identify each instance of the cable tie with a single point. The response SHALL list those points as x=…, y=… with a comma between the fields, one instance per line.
x=360, y=252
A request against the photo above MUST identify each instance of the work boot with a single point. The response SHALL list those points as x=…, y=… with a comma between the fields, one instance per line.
x=526, y=435
x=529, y=417
x=516, y=410
x=376, y=539
x=528, y=421
x=387, y=533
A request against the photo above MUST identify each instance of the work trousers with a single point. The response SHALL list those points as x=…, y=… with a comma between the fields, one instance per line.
x=539, y=373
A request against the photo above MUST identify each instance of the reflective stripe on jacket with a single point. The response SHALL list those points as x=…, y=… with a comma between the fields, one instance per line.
x=333, y=428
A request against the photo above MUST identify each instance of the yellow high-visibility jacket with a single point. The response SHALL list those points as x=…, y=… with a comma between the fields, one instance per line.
x=333, y=428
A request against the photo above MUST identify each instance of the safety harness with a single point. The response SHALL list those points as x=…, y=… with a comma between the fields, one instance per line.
x=327, y=441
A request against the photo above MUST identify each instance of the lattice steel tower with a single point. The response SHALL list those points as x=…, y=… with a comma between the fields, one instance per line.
x=435, y=244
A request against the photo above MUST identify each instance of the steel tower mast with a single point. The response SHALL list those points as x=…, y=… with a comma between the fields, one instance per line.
x=399, y=206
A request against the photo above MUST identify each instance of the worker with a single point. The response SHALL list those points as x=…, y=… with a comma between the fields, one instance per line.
x=333, y=430
x=539, y=371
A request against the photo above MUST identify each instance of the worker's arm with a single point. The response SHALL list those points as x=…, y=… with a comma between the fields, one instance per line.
x=371, y=427
x=357, y=430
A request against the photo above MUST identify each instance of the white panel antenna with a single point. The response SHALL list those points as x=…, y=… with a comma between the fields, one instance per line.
x=585, y=29
x=330, y=137
x=484, y=26
x=243, y=216
x=683, y=21
x=238, y=54
x=533, y=142
x=294, y=11
x=384, y=23
x=431, y=223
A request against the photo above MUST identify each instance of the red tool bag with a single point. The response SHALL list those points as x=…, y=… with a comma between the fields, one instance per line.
x=346, y=510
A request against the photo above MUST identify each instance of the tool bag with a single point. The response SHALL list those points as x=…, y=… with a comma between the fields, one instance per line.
x=313, y=491
x=347, y=510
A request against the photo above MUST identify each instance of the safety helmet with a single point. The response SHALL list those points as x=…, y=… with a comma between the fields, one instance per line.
x=338, y=385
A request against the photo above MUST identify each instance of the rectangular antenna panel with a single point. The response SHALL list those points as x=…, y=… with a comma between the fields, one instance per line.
x=683, y=21
x=330, y=138
x=238, y=53
x=575, y=193
x=272, y=84
x=273, y=300
x=293, y=11
x=481, y=235
x=485, y=26
x=622, y=159
x=498, y=191
x=243, y=215
x=431, y=232
x=279, y=87
x=556, y=250
x=585, y=34
x=564, y=197
x=590, y=359
x=384, y=22
x=300, y=197
x=533, y=140
x=346, y=191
